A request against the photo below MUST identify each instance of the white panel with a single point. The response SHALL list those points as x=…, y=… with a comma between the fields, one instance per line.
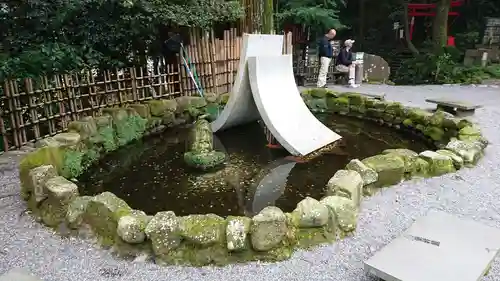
x=240, y=108
x=437, y=247
x=282, y=108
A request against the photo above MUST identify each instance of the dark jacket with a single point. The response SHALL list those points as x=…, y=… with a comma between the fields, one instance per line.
x=325, y=48
x=344, y=57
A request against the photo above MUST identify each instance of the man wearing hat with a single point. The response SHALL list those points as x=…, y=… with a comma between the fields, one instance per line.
x=346, y=63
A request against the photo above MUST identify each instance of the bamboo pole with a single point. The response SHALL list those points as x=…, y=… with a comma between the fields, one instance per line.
x=213, y=62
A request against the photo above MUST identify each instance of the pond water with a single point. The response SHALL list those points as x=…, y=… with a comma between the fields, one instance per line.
x=150, y=174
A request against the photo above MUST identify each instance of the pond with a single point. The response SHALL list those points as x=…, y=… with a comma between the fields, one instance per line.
x=150, y=174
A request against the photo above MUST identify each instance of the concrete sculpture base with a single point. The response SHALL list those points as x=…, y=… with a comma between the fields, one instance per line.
x=438, y=247
x=272, y=96
x=281, y=106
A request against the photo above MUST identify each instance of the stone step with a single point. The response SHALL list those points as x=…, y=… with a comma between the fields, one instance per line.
x=19, y=274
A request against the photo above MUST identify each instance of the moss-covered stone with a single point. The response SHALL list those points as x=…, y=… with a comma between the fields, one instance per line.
x=368, y=175
x=443, y=120
x=419, y=116
x=60, y=193
x=458, y=162
x=237, y=229
x=164, y=233
x=131, y=228
x=310, y=213
x=185, y=102
x=85, y=129
x=48, y=155
x=394, y=108
x=435, y=133
x=268, y=229
x=389, y=167
x=158, y=108
x=345, y=211
x=142, y=109
x=338, y=105
x=439, y=164
x=103, y=213
x=202, y=230
x=76, y=211
x=38, y=177
x=470, y=152
x=317, y=104
x=408, y=123
x=421, y=169
x=409, y=157
x=346, y=183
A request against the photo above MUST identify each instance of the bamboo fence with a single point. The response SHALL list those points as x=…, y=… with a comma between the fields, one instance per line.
x=34, y=108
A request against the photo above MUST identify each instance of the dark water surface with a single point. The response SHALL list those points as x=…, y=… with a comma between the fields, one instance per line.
x=150, y=175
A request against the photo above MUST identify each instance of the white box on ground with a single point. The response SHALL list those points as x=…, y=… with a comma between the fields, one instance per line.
x=437, y=247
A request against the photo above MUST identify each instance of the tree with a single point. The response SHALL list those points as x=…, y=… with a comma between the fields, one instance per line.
x=318, y=15
x=440, y=25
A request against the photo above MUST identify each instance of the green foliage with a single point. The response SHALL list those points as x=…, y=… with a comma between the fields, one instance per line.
x=72, y=164
x=442, y=68
x=90, y=156
x=319, y=15
x=108, y=137
x=130, y=129
x=42, y=37
x=197, y=13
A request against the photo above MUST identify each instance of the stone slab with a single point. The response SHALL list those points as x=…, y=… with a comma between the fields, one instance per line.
x=459, y=105
x=437, y=247
x=282, y=108
x=240, y=107
x=377, y=96
x=18, y=274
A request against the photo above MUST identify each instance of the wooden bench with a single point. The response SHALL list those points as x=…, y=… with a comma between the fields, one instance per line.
x=454, y=107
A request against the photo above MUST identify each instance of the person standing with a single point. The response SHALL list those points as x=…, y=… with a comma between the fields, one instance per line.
x=325, y=51
x=346, y=63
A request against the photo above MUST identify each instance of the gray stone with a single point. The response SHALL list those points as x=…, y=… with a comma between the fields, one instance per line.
x=268, y=229
x=345, y=211
x=236, y=233
x=68, y=139
x=310, y=213
x=48, y=141
x=39, y=177
x=469, y=151
x=61, y=189
x=163, y=231
x=346, y=183
x=375, y=68
x=131, y=227
x=458, y=162
x=367, y=174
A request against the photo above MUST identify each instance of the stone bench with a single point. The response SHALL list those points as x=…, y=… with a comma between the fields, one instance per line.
x=455, y=107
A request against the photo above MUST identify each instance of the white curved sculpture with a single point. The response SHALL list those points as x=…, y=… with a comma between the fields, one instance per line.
x=240, y=107
x=265, y=88
x=281, y=107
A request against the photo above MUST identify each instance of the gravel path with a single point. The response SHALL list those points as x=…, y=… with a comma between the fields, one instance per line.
x=472, y=193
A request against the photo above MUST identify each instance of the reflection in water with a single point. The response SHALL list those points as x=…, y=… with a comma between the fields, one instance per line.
x=268, y=186
x=151, y=175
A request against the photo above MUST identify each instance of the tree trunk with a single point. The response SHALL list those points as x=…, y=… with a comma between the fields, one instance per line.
x=361, y=31
x=440, y=25
x=267, y=19
x=406, y=23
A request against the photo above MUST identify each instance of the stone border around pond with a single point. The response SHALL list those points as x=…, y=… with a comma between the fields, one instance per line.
x=199, y=239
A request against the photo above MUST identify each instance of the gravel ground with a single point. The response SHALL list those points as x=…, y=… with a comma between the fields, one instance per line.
x=471, y=193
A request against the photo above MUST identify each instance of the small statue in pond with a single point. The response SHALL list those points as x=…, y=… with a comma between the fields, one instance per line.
x=201, y=154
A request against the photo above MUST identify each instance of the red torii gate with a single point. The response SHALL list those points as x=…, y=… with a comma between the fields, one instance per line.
x=429, y=10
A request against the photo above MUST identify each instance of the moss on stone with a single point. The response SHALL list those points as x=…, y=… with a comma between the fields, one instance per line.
x=103, y=213
x=434, y=133
x=203, y=230
x=390, y=168
x=338, y=105
x=72, y=164
x=419, y=116
x=318, y=104
x=409, y=157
